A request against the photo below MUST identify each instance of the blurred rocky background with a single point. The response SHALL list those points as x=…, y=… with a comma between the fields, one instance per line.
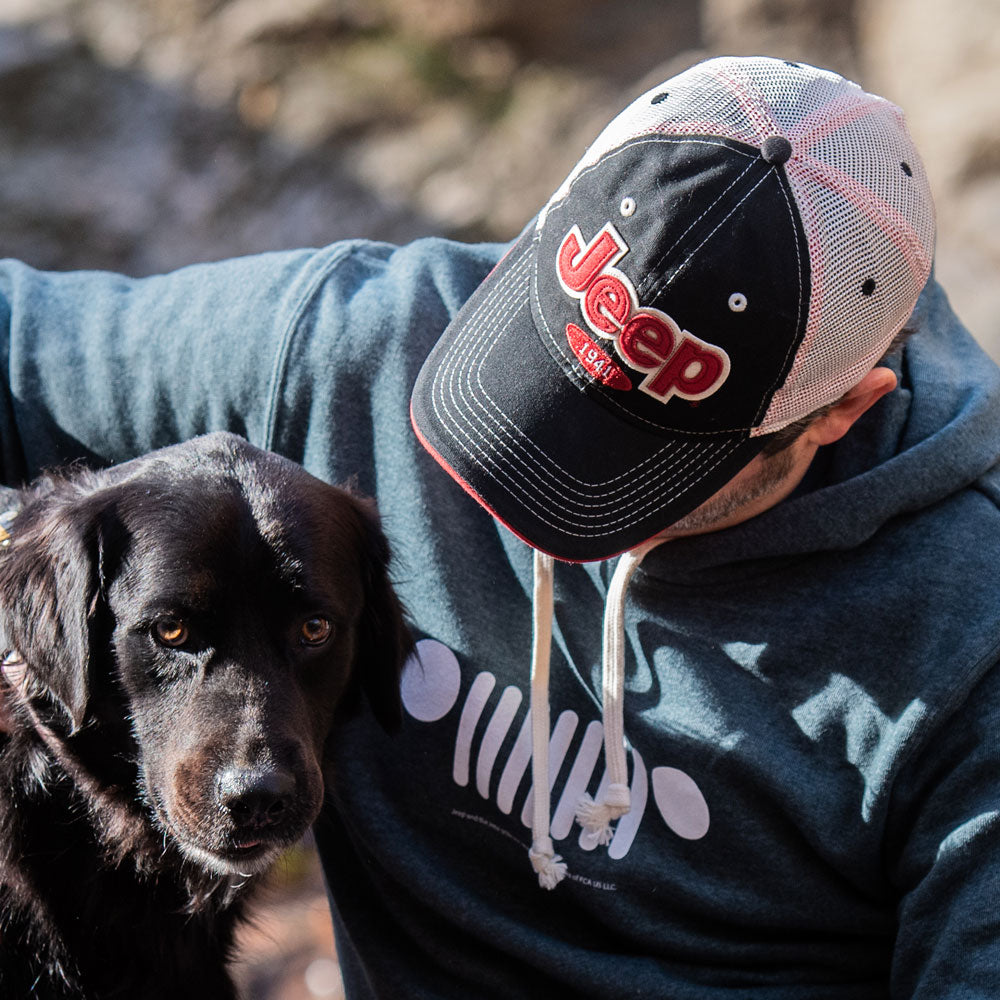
x=142, y=135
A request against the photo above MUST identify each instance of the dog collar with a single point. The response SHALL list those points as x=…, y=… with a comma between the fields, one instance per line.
x=13, y=667
x=7, y=527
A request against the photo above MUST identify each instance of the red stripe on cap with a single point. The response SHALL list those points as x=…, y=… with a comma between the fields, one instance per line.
x=482, y=503
x=465, y=486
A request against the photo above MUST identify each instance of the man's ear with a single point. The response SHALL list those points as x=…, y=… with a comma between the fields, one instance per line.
x=50, y=591
x=838, y=421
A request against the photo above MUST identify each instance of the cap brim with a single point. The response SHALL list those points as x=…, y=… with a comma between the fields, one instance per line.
x=548, y=459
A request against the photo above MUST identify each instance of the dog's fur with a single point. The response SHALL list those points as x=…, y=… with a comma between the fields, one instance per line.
x=144, y=787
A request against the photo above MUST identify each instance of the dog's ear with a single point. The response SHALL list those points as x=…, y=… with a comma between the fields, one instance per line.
x=50, y=587
x=384, y=640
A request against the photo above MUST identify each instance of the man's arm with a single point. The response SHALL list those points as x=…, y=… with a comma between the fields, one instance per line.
x=103, y=367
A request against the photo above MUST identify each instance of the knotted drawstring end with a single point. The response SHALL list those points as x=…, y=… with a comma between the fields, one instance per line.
x=550, y=867
x=596, y=817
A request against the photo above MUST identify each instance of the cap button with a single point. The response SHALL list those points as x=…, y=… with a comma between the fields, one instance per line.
x=776, y=149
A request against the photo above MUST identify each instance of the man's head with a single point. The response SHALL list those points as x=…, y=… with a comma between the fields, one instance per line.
x=734, y=252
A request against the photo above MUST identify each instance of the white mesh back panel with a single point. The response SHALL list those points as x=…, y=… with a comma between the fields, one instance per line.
x=861, y=191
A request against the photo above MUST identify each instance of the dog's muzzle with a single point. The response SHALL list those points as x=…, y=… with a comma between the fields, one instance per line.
x=258, y=802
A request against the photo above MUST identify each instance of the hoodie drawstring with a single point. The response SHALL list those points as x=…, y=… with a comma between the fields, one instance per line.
x=595, y=817
x=550, y=867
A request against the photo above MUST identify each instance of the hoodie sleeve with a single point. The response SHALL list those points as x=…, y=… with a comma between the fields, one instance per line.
x=103, y=367
x=947, y=863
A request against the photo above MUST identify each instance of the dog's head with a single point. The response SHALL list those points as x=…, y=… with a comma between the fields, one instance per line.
x=208, y=612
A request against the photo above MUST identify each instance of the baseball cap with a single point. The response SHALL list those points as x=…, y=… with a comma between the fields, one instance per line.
x=735, y=250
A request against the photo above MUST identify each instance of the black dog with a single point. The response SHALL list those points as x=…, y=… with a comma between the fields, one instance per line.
x=184, y=632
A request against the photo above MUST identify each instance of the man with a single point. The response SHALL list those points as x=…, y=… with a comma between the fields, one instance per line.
x=796, y=695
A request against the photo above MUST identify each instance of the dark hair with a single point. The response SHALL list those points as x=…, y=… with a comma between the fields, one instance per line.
x=782, y=439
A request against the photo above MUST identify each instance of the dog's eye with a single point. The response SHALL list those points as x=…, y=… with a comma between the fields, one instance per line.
x=170, y=632
x=315, y=631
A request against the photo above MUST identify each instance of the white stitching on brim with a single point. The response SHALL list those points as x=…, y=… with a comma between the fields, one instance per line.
x=460, y=409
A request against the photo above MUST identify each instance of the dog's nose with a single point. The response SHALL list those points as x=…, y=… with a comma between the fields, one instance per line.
x=255, y=798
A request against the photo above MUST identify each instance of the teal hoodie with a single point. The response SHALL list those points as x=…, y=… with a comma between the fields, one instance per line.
x=811, y=699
